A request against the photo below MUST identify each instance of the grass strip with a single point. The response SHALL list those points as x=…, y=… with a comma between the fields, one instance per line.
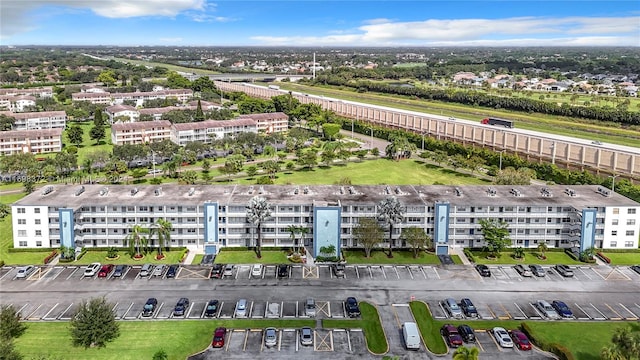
x=369, y=323
x=380, y=257
x=428, y=329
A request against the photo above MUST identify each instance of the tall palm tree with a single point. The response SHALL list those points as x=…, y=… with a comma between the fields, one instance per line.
x=163, y=230
x=542, y=248
x=466, y=353
x=293, y=231
x=137, y=239
x=391, y=211
x=258, y=210
x=302, y=230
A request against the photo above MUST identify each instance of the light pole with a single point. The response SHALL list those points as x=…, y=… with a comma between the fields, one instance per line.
x=423, y=141
x=613, y=183
x=500, y=167
x=553, y=153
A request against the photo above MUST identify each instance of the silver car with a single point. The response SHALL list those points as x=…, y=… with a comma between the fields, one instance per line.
x=452, y=307
x=310, y=307
x=547, y=310
x=270, y=337
x=241, y=308
x=24, y=271
x=306, y=336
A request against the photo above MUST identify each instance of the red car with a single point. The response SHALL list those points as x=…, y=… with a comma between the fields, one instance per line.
x=451, y=335
x=218, y=337
x=521, y=340
x=105, y=270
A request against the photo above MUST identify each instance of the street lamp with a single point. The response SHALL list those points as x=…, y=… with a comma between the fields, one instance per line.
x=553, y=153
x=423, y=141
x=500, y=167
x=613, y=183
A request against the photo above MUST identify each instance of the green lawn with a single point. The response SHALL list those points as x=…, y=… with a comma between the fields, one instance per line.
x=138, y=339
x=369, y=323
x=380, y=257
x=249, y=257
x=428, y=329
x=171, y=257
x=623, y=258
x=89, y=146
x=530, y=258
x=197, y=259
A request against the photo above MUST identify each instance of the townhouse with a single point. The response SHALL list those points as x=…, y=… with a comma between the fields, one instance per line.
x=122, y=113
x=181, y=96
x=37, y=120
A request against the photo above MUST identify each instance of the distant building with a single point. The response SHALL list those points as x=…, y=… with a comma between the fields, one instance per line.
x=122, y=111
x=269, y=122
x=43, y=92
x=141, y=132
x=30, y=141
x=181, y=95
x=16, y=103
x=38, y=120
x=206, y=131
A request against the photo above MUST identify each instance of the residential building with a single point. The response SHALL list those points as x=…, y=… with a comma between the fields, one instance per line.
x=140, y=132
x=33, y=141
x=44, y=92
x=205, y=131
x=181, y=96
x=16, y=103
x=93, y=97
x=269, y=122
x=38, y=120
x=122, y=113
x=212, y=217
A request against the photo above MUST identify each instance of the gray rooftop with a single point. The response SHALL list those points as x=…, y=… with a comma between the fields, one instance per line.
x=477, y=195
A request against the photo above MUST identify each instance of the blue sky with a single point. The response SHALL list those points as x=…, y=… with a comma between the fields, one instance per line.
x=320, y=23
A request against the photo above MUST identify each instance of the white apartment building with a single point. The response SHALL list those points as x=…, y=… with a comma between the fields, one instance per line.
x=33, y=141
x=269, y=122
x=121, y=111
x=205, y=131
x=93, y=97
x=142, y=132
x=44, y=92
x=38, y=120
x=212, y=217
x=181, y=96
x=16, y=103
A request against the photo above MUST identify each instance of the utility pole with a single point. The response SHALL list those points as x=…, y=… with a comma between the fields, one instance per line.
x=613, y=183
x=500, y=167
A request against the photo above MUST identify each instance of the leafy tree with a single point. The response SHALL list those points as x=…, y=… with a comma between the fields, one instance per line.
x=233, y=165
x=391, y=211
x=203, y=84
x=6, y=122
x=330, y=130
x=176, y=81
x=29, y=186
x=439, y=156
x=511, y=176
x=8, y=350
x=97, y=133
x=466, y=353
x=496, y=235
x=271, y=167
x=189, y=177
x=252, y=170
x=258, y=210
x=368, y=234
x=114, y=169
x=542, y=248
x=309, y=158
x=98, y=118
x=206, y=165
x=75, y=134
x=399, y=148
x=10, y=325
x=4, y=210
x=107, y=77
x=94, y=325
x=518, y=252
x=417, y=239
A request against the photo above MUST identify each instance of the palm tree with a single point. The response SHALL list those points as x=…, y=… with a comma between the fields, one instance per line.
x=542, y=248
x=302, y=230
x=391, y=212
x=163, y=229
x=136, y=239
x=258, y=210
x=293, y=230
x=466, y=353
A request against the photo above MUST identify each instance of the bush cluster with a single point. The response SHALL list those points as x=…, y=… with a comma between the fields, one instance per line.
x=603, y=257
x=82, y=252
x=469, y=255
x=559, y=350
x=50, y=257
x=184, y=255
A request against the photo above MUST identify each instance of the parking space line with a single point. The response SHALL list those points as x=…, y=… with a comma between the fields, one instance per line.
x=322, y=344
x=584, y=312
x=436, y=271
x=395, y=314
x=357, y=272
x=49, y=312
x=410, y=272
x=396, y=269
x=155, y=316
x=633, y=316
x=280, y=339
x=226, y=346
x=523, y=317
x=619, y=317
x=621, y=273
x=124, y=316
x=64, y=312
x=29, y=317
x=599, y=312
x=22, y=308
x=506, y=312
x=423, y=273
x=384, y=273
x=244, y=345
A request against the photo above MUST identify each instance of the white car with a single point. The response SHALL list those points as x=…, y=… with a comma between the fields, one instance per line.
x=547, y=310
x=256, y=270
x=92, y=269
x=241, y=308
x=270, y=337
x=24, y=271
x=502, y=337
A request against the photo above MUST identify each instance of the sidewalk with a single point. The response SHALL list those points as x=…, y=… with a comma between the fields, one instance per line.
x=458, y=251
x=190, y=256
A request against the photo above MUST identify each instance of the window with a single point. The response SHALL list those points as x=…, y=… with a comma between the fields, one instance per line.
x=38, y=221
x=39, y=243
x=36, y=211
x=38, y=232
x=630, y=232
x=616, y=211
x=628, y=244
x=614, y=222
x=22, y=221
x=631, y=221
x=21, y=211
x=22, y=233
x=614, y=232
x=22, y=243
x=631, y=211
x=614, y=244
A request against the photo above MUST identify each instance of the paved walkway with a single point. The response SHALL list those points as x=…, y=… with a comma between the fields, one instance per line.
x=190, y=256
x=458, y=251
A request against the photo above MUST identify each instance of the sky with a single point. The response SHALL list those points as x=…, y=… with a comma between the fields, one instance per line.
x=329, y=23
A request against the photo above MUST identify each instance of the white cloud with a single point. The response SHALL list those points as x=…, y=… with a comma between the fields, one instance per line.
x=520, y=31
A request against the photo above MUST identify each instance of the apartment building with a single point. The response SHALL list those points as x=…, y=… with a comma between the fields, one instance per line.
x=269, y=122
x=205, y=131
x=38, y=120
x=16, y=103
x=122, y=113
x=212, y=217
x=181, y=96
x=93, y=97
x=142, y=132
x=33, y=141
x=44, y=92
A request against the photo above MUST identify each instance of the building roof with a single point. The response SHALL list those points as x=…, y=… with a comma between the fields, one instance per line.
x=118, y=108
x=410, y=195
x=208, y=124
x=140, y=125
x=265, y=116
x=33, y=115
x=31, y=134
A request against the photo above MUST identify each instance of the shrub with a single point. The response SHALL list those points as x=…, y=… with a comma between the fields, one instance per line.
x=50, y=257
x=112, y=252
x=295, y=259
x=1, y=263
x=603, y=257
x=469, y=255
x=82, y=252
x=184, y=255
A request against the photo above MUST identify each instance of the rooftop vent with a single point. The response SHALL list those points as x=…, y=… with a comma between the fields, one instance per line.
x=341, y=190
x=296, y=191
x=104, y=191
x=80, y=191
x=261, y=190
x=491, y=192
x=387, y=190
x=192, y=191
x=251, y=190
x=134, y=191
x=398, y=191
x=352, y=190
x=47, y=190
x=305, y=190
x=158, y=191
x=458, y=192
x=604, y=191
x=515, y=192
x=570, y=192
x=546, y=192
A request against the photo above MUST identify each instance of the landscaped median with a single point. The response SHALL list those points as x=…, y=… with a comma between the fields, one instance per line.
x=369, y=323
x=399, y=257
x=429, y=330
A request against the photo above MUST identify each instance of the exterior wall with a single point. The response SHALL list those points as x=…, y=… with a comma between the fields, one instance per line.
x=33, y=141
x=30, y=226
x=39, y=120
x=621, y=227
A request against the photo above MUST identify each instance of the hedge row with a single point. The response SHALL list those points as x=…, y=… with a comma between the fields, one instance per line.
x=559, y=350
x=184, y=255
x=50, y=257
x=29, y=250
x=603, y=257
x=469, y=255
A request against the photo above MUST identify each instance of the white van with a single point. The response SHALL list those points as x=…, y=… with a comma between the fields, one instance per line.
x=411, y=336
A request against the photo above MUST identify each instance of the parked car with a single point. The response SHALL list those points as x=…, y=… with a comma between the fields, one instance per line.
x=207, y=259
x=596, y=142
x=119, y=271
x=521, y=340
x=310, y=307
x=467, y=333
x=338, y=270
x=92, y=269
x=306, y=336
x=172, y=271
x=181, y=307
x=218, y=337
x=523, y=271
x=537, y=270
x=562, y=309
x=212, y=308
x=483, y=270
x=216, y=271
x=451, y=335
x=270, y=337
x=502, y=337
x=564, y=270
x=636, y=268
x=283, y=271
x=352, y=307
x=146, y=270
x=24, y=271
x=468, y=308
x=241, y=308
x=159, y=270
x=149, y=307
x=228, y=270
x=451, y=306
x=105, y=270
x=547, y=310
x=256, y=270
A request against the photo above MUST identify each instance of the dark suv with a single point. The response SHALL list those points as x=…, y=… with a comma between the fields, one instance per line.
x=483, y=270
x=467, y=333
x=212, y=308
x=149, y=307
x=338, y=270
x=216, y=272
x=564, y=270
x=283, y=271
x=181, y=307
x=468, y=308
x=171, y=273
x=353, y=310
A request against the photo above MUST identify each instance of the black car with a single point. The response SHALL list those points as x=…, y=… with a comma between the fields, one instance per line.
x=636, y=268
x=181, y=307
x=467, y=333
x=564, y=270
x=173, y=269
x=468, y=308
x=338, y=270
x=119, y=270
x=483, y=270
x=352, y=307
x=149, y=307
x=212, y=308
x=283, y=270
x=207, y=259
x=216, y=272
